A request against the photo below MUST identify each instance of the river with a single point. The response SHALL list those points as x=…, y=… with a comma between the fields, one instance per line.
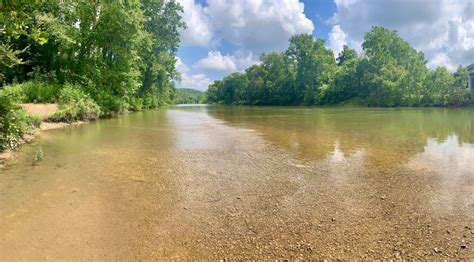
x=216, y=182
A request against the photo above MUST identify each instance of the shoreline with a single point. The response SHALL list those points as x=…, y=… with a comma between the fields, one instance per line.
x=31, y=136
x=40, y=110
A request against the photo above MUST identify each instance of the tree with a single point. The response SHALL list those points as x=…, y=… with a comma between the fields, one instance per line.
x=162, y=22
x=396, y=71
x=315, y=66
x=438, y=84
x=345, y=55
x=391, y=73
x=214, y=93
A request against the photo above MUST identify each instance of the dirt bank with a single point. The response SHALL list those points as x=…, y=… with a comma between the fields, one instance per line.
x=41, y=110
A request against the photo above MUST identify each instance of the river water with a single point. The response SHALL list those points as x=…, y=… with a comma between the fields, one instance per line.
x=193, y=182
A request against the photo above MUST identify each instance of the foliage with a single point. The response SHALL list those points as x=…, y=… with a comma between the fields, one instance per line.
x=119, y=52
x=14, y=122
x=390, y=73
x=15, y=93
x=75, y=105
x=116, y=55
x=189, y=96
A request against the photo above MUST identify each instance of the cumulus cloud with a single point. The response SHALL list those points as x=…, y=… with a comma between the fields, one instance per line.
x=442, y=29
x=199, y=30
x=215, y=61
x=252, y=25
x=337, y=39
x=441, y=59
x=258, y=25
x=188, y=80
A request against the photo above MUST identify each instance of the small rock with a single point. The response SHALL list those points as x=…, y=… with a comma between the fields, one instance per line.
x=463, y=246
x=333, y=219
x=383, y=197
x=437, y=250
x=186, y=208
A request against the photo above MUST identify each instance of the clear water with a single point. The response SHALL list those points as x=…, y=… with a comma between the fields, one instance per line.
x=245, y=182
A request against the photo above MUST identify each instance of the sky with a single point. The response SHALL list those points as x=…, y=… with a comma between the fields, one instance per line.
x=226, y=36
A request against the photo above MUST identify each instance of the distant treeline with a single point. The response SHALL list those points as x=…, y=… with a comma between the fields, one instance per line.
x=389, y=72
x=189, y=96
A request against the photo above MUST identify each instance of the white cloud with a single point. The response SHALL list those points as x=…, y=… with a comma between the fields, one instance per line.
x=441, y=59
x=199, y=31
x=442, y=29
x=252, y=25
x=181, y=67
x=215, y=61
x=258, y=25
x=193, y=81
x=337, y=39
x=196, y=81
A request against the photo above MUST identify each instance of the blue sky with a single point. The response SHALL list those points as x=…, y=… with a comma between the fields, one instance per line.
x=226, y=36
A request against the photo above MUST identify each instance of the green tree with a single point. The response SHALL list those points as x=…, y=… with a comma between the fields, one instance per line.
x=162, y=22
x=347, y=54
x=315, y=67
x=396, y=71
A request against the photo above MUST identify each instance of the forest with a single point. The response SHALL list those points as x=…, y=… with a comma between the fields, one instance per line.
x=93, y=58
x=189, y=96
x=388, y=73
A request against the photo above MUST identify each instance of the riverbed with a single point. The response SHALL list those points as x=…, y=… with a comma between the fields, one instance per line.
x=218, y=182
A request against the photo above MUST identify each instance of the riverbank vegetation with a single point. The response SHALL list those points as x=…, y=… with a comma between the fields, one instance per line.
x=94, y=58
x=190, y=96
x=388, y=73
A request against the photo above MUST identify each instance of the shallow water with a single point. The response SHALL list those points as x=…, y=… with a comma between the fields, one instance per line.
x=191, y=182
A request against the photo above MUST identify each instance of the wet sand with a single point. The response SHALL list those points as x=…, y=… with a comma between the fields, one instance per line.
x=187, y=184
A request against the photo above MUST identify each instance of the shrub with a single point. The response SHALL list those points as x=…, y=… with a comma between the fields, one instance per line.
x=75, y=105
x=41, y=92
x=14, y=121
x=15, y=93
x=33, y=92
x=135, y=104
x=110, y=104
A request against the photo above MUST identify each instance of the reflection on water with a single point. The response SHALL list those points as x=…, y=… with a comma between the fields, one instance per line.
x=451, y=156
x=194, y=182
x=387, y=136
x=451, y=162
